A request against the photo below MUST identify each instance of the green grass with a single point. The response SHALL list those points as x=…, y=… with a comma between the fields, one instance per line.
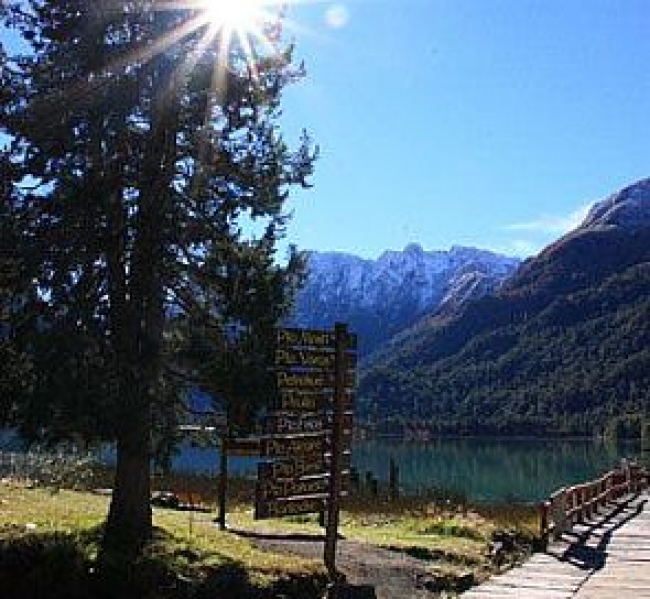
x=51, y=528
x=459, y=533
x=60, y=532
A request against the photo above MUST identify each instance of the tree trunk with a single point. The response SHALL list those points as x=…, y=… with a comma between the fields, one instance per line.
x=140, y=333
x=129, y=523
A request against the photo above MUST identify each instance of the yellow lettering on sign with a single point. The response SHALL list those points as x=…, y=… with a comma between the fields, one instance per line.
x=289, y=380
x=305, y=338
x=295, y=399
x=294, y=447
x=284, y=489
x=302, y=358
x=277, y=509
x=297, y=469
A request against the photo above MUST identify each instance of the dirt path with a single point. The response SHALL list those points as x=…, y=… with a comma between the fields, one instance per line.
x=392, y=574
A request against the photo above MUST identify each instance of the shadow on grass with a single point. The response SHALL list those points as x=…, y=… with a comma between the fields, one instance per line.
x=49, y=566
x=62, y=566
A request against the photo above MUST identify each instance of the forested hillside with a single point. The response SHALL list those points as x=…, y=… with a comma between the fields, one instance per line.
x=564, y=347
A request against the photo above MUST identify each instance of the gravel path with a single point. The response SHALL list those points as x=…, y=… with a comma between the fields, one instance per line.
x=392, y=574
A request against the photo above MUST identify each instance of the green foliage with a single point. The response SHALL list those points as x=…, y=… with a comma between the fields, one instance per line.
x=55, y=468
x=629, y=426
x=16, y=370
x=450, y=528
x=564, y=349
x=144, y=196
x=143, y=181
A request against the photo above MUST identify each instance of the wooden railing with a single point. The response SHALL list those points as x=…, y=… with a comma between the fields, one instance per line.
x=578, y=503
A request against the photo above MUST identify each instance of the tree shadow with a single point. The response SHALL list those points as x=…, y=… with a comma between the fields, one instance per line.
x=44, y=566
x=357, y=592
x=62, y=566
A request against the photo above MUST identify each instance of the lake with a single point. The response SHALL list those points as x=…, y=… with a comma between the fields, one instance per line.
x=481, y=469
x=492, y=470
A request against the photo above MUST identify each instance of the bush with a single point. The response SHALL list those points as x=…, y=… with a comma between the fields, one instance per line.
x=451, y=528
x=44, y=567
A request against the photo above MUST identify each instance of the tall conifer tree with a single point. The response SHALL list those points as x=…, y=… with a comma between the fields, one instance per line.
x=144, y=145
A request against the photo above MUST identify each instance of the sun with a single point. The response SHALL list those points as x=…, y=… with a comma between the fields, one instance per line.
x=237, y=33
x=236, y=16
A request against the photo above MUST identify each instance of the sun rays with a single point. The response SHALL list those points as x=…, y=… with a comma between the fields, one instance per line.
x=241, y=16
x=249, y=25
x=235, y=34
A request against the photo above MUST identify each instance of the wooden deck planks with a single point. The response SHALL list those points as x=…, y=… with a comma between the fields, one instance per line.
x=626, y=572
x=607, y=558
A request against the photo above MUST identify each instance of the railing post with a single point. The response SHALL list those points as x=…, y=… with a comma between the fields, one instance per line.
x=628, y=478
x=616, y=484
x=582, y=499
x=559, y=509
x=579, y=506
x=223, y=481
x=601, y=494
x=610, y=486
x=544, y=509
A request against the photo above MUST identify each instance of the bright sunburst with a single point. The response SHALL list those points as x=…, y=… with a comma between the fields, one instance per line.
x=236, y=15
x=253, y=24
x=243, y=19
x=252, y=28
x=249, y=21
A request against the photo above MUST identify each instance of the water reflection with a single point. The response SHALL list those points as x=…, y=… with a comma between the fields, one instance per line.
x=490, y=469
x=481, y=469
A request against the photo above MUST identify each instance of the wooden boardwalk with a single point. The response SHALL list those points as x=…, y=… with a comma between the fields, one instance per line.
x=608, y=556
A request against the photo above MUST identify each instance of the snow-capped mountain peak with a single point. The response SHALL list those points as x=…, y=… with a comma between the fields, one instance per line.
x=381, y=297
x=628, y=208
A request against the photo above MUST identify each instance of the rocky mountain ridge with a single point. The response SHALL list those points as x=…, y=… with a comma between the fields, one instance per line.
x=381, y=297
x=562, y=346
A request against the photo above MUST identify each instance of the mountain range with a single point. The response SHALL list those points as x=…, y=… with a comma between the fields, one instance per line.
x=379, y=298
x=561, y=346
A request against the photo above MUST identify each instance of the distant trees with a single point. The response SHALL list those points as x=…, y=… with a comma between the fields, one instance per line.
x=145, y=152
x=561, y=370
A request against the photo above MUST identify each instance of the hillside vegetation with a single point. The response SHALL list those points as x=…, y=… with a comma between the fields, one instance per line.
x=564, y=348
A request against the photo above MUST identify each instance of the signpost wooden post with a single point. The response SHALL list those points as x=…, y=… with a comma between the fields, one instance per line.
x=309, y=431
x=333, y=508
x=223, y=480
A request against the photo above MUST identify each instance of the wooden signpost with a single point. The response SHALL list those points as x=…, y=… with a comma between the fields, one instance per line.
x=309, y=430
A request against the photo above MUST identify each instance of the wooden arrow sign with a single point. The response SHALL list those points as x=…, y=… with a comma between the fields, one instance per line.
x=279, y=508
x=294, y=446
x=282, y=423
x=289, y=337
x=292, y=487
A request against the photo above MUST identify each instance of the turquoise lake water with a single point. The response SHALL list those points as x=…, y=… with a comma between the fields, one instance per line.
x=481, y=469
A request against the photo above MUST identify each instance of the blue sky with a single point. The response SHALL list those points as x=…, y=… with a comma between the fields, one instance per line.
x=491, y=123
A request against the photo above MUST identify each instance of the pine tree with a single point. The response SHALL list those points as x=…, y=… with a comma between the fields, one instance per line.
x=146, y=148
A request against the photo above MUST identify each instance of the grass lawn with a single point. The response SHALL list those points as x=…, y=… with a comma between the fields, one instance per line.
x=62, y=529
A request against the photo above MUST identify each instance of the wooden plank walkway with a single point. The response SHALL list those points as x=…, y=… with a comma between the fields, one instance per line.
x=606, y=557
